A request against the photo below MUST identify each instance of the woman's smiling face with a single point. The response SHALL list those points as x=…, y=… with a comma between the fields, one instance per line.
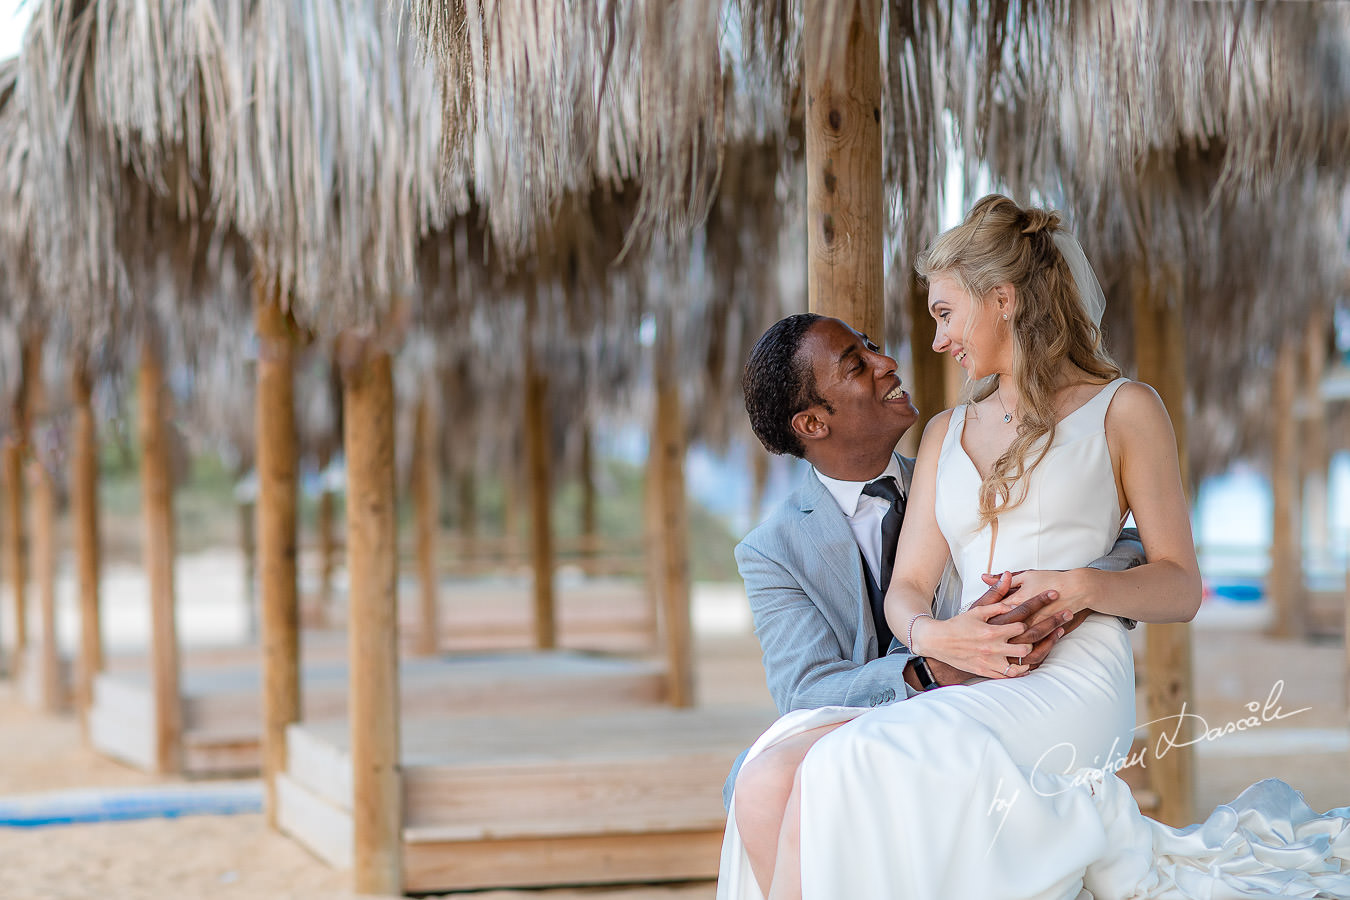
x=971, y=332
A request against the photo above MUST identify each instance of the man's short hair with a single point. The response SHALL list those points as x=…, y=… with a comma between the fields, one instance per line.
x=779, y=383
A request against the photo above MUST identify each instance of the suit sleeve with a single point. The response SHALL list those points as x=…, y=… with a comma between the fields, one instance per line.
x=1126, y=554
x=803, y=663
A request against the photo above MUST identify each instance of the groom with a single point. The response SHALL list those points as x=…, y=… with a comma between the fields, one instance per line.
x=816, y=571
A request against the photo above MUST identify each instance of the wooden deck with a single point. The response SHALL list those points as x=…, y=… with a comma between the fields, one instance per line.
x=520, y=801
x=222, y=715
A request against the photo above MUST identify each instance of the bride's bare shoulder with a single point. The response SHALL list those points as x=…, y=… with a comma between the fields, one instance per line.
x=1137, y=405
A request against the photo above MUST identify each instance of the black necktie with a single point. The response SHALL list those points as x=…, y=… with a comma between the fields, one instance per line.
x=885, y=488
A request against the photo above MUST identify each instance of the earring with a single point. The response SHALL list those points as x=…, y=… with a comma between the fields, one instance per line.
x=1005, y=317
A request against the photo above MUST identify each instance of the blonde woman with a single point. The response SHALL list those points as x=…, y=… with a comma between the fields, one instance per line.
x=1005, y=787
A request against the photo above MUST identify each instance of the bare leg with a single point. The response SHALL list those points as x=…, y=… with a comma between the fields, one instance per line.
x=787, y=870
x=764, y=788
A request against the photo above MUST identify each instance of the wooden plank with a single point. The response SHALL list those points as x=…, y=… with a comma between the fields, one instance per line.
x=321, y=827
x=122, y=722
x=426, y=491
x=372, y=560
x=321, y=765
x=845, y=215
x=1160, y=355
x=605, y=859
x=211, y=754
x=158, y=523
x=660, y=792
x=84, y=528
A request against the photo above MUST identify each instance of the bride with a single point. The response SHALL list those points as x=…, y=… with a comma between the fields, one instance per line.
x=1003, y=787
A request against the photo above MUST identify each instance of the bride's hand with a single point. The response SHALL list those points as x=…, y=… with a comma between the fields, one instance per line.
x=1073, y=587
x=969, y=642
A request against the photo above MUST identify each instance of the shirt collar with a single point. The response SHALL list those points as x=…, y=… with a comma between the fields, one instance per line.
x=848, y=493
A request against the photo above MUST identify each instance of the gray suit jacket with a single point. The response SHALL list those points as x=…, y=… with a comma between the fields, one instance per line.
x=804, y=577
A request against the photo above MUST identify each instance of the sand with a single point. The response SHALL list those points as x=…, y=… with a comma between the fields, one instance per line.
x=211, y=857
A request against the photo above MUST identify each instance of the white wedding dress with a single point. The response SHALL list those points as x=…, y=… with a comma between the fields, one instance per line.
x=1004, y=789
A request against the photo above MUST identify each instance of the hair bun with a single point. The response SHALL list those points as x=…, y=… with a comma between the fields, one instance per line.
x=1040, y=220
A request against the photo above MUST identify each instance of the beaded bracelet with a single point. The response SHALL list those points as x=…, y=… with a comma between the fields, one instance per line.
x=909, y=642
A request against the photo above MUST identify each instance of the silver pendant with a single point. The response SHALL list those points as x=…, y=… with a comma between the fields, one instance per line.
x=1007, y=418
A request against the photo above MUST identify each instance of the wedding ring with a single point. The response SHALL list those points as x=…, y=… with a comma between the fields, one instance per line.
x=1006, y=670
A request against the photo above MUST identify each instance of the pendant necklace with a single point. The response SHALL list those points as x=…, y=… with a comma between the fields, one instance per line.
x=1007, y=416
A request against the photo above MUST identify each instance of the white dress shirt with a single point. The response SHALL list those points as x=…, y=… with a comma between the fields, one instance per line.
x=863, y=512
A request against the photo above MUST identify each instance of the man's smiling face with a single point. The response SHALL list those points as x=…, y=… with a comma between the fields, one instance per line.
x=866, y=409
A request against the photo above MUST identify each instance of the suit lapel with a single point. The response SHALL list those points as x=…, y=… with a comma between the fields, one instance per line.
x=832, y=541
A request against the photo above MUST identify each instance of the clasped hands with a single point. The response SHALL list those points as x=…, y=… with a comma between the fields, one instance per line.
x=998, y=637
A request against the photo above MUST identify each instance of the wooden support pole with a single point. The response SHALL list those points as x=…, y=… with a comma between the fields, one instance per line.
x=42, y=550
x=468, y=512
x=88, y=551
x=672, y=524
x=929, y=390
x=843, y=165
x=16, y=562
x=426, y=487
x=327, y=553
x=372, y=625
x=248, y=546
x=278, y=499
x=157, y=516
x=1160, y=354
x=759, y=479
x=16, y=566
x=1286, y=546
x=538, y=466
x=590, y=534
x=1314, y=455
x=511, y=502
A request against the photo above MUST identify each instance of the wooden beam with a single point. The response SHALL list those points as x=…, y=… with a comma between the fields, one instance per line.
x=426, y=489
x=759, y=479
x=16, y=561
x=538, y=465
x=88, y=551
x=845, y=214
x=1160, y=355
x=1285, y=583
x=672, y=524
x=1314, y=455
x=42, y=550
x=372, y=628
x=157, y=517
x=327, y=554
x=247, y=511
x=929, y=390
x=589, y=530
x=278, y=499
x=468, y=511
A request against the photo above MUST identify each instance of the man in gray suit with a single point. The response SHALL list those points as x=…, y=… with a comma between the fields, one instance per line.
x=817, y=569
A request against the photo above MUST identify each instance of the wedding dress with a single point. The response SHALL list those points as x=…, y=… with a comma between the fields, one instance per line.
x=1006, y=788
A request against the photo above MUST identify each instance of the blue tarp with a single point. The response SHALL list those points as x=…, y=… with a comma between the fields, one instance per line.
x=122, y=804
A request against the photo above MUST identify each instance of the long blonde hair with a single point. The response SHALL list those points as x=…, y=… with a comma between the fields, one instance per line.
x=1001, y=243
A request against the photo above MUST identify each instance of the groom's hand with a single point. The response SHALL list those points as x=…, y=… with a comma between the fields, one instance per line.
x=1040, y=637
